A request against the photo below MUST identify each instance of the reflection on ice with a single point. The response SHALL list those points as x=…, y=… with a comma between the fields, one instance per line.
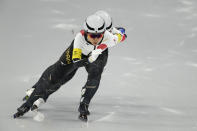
x=185, y=10
x=186, y=2
x=126, y=74
x=107, y=117
x=152, y=15
x=173, y=111
x=148, y=69
x=194, y=28
x=64, y=26
x=58, y=12
x=129, y=59
x=192, y=64
x=192, y=35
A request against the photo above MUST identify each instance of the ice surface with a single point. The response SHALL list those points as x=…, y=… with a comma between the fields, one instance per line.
x=38, y=116
x=149, y=83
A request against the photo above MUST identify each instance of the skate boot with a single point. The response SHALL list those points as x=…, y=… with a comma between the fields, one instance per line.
x=21, y=110
x=83, y=110
x=37, y=104
x=28, y=93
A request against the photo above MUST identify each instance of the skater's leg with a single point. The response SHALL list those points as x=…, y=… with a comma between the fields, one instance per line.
x=53, y=86
x=37, y=93
x=44, y=75
x=61, y=66
x=94, y=76
x=95, y=71
x=89, y=90
x=50, y=82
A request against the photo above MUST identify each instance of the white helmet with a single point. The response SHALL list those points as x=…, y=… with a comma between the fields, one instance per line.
x=94, y=24
x=107, y=18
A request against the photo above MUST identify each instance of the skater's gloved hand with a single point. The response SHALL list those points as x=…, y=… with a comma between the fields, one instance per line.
x=122, y=35
x=80, y=63
x=121, y=29
x=94, y=55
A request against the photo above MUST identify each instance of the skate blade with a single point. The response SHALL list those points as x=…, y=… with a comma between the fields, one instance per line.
x=16, y=115
x=83, y=118
x=34, y=107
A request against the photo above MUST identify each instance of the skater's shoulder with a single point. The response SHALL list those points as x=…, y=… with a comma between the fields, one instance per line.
x=82, y=32
x=80, y=36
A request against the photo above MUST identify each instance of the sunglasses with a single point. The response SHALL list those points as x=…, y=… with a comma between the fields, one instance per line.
x=96, y=35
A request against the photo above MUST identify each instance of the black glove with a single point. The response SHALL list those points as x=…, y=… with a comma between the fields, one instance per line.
x=122, y=30
x=80, y=63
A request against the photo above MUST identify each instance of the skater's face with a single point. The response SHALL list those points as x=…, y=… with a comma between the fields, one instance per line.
x=94, y=38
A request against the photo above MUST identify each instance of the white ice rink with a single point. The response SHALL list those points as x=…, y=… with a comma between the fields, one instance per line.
x=150, y=81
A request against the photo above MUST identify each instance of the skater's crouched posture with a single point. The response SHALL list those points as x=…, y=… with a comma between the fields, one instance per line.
x=89, y=49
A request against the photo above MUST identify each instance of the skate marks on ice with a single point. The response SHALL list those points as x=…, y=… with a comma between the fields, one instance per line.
x=192, y=34
x=188, y=10
x=186, y=2
x=53, y=1
x=105, y=111
x=57, y=12
x=107, y=117
x=64, y=26
x=151, y=15
x=187, y=6
x=171, y=110
x=191, y=64
x=36, y=115
x=135, y=113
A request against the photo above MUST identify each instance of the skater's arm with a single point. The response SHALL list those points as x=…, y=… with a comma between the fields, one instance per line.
x=80, y=63
x=109, y=40
x=118, y=34
x=112, y=39
x=77, y=49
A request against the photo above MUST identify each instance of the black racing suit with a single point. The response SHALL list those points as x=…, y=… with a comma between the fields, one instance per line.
x=63, y=70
